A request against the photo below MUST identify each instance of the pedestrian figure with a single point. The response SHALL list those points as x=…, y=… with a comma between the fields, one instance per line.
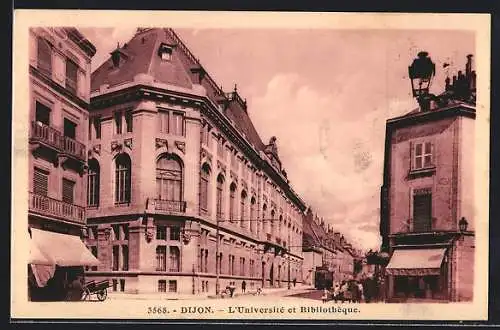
x=243, y=286
x=346, y=293
x=259, y=290
x=324, y=298
x=294, y=282
x=336, y=292
x=232, y=287
x=360, y=289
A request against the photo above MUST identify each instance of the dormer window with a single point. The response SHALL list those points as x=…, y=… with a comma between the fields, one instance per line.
x=165, y=52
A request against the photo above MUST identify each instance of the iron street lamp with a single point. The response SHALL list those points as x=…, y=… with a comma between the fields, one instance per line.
x=421, y=72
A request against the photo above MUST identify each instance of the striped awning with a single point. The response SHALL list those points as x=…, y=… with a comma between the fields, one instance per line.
x=416, y=262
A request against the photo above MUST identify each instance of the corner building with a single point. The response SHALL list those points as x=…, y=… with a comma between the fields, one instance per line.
x=59, y=84
x=173, y=161
x=427, y=204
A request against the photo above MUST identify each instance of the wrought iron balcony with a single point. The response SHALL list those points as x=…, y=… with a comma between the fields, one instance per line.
x=164, y=205
x=52, y=137
x=47, y=206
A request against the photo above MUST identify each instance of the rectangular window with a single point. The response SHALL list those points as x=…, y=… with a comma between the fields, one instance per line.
x=68, y=188
x=174, y=259
x=422, y=155
x=162, y=286
x=116, y=257
x=69, y=128
x=125, y=231
x=122, y=285
x=161, y=258
x=422, y=211
x=116, y=232
x=129, y=120
x=97, y=127
x=125, y=257
x=40, y=182
x=163, y=121
x=175, y=233
x=115, y=285
x=44, y=56
x=177, y=124
x=172, y=286
x=161, y=232
x=42, y=113
x=118, y=123
x=206, y=261
x=71, y=76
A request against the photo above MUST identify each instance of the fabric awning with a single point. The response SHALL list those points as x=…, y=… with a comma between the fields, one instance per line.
x=36, y=256
x=63, y=250
x=416, y=262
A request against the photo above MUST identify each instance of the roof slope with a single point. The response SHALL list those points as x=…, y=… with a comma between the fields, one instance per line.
x=140, y=56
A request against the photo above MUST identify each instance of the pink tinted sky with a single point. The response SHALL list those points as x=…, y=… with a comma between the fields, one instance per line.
x=325, y=95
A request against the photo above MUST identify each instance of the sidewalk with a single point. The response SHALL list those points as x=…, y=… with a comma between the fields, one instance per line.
x=198, y=296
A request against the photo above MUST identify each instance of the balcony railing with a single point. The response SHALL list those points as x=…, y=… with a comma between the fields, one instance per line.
x=52, y=207
x=56, y=139
x=170, y=206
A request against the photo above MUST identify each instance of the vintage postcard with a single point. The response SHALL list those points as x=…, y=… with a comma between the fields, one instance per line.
x=244, y=165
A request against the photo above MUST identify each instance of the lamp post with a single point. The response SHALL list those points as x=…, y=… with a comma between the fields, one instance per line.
x=217, y=259
x=462, y=226
x=421, y=72
x=289, y=250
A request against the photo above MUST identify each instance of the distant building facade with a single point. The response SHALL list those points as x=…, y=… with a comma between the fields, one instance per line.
x=59, y=75
x=428, y=195
x=325, y=248
x=182, y=192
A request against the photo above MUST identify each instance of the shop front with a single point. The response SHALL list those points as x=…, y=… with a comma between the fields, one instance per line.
x=417, y=274
x=56, y=266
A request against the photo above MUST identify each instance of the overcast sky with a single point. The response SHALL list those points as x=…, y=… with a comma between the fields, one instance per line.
x=325, y=95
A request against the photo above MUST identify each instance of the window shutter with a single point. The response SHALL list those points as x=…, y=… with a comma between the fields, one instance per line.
x=40, y=182
x=412, y=153
x=433, y=152
x=68, y=191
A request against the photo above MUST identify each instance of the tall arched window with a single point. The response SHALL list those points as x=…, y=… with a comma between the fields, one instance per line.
x=169, y=178
x=243, y=208
x=220, y=191
x=273, y=232
x=253, y=219
x=265, y=220
x=232, y=202
x=175, y=259
x=204, y=179
x=93, y=183
x=280, y=223
x=122, y=178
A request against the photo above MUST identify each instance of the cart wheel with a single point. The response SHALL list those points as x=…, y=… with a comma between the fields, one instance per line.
x=101, y=295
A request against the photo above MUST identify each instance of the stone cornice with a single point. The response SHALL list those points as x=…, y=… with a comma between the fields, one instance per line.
x=141, y=91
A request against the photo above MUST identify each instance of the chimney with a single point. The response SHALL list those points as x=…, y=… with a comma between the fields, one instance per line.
x=468, y=66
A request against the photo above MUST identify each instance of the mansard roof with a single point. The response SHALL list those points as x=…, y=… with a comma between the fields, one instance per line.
x=140, y=56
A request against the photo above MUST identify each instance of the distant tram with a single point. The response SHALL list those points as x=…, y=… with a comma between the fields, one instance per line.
x=323, y=278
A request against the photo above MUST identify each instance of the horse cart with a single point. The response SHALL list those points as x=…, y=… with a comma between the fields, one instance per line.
x=99, y=289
